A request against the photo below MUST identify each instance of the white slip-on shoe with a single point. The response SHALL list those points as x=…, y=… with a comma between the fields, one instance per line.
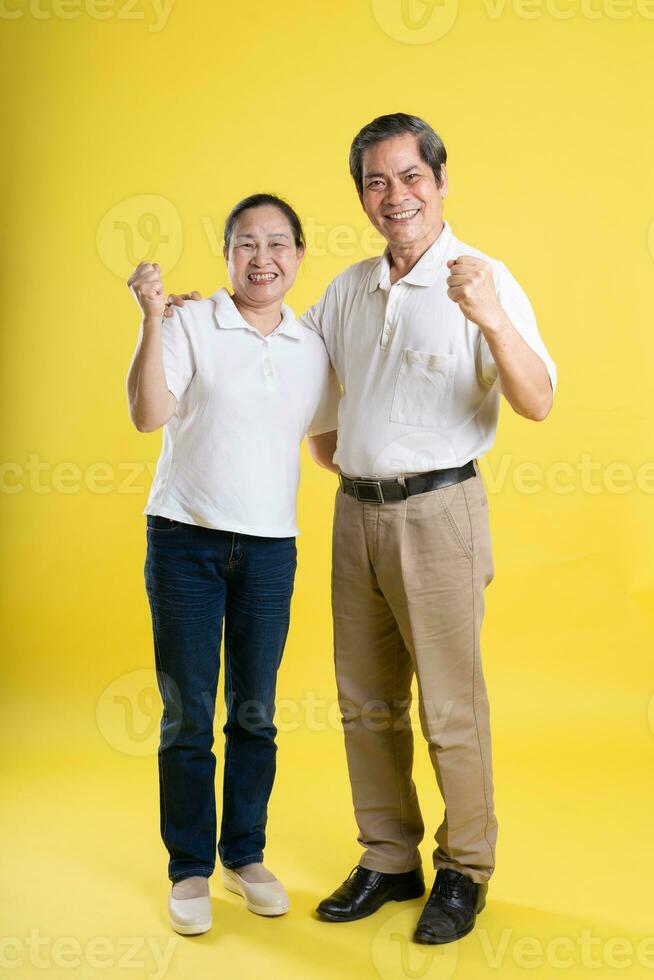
x=262, y=897
x=190, y=916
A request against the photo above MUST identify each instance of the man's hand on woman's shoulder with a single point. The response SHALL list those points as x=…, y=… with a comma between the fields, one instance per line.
x=176, y=299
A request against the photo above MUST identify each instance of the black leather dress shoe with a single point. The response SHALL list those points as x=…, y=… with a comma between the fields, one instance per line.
x=364, y=891
x=451, y=908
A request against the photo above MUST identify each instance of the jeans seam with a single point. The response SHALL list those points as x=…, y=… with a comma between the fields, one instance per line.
x=164, y=718
x=194, y=867
x=228, y=743
x=248, y=859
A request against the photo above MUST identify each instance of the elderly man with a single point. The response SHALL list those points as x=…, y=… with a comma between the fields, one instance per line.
x=423, y=339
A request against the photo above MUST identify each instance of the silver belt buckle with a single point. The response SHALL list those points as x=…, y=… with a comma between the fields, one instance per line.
x=367, y=486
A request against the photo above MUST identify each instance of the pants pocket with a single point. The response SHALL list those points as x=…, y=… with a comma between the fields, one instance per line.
x=456, y=512
x=157, y=523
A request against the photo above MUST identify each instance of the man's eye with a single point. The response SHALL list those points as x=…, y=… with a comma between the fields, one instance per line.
x=374, y=182
x=412, y=176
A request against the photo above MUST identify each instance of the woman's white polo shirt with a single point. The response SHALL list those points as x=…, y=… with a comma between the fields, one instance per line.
x=230, y=457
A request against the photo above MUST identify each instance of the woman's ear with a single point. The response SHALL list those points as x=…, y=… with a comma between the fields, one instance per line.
x=225, y=252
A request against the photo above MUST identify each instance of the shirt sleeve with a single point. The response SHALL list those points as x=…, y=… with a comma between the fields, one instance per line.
x=325, y=418
x=322, y=317
x=178, y=359
x=314, y=317
x=517, y=307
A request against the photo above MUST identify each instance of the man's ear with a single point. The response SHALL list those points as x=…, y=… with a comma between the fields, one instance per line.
x=443, y=184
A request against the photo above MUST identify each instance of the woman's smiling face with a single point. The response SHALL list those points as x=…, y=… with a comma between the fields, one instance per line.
x=262, y=257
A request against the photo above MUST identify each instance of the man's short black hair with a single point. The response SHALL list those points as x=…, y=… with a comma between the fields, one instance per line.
x=432, y=149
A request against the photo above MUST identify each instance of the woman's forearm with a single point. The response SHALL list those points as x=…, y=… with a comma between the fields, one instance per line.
x=322, y=449
x=151, y=404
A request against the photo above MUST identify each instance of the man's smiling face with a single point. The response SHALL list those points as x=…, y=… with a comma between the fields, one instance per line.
x=400, y=194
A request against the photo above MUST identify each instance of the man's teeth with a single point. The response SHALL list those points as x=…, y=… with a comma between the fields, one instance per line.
x=262, y=276
x=402, y=214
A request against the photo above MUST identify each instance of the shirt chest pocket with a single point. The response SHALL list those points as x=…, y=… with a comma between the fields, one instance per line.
x=422, y=389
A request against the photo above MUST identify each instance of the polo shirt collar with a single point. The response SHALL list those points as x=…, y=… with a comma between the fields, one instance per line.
x=423, y=272
x=228, y=317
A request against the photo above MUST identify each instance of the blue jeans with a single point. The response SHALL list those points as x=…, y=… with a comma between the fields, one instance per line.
x=195, y=578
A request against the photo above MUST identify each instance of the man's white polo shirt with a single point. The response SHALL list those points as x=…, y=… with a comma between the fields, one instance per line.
x=230, y=457
x=420, y=386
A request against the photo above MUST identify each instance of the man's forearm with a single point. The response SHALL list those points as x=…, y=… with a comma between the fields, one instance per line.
x=523, y=375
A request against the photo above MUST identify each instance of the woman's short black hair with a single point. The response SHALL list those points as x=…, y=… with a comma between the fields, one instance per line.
x=258, y=201
x=430, y=145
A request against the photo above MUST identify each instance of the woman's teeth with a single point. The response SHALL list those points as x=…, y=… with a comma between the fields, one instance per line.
x=262, y=276
x=402, y=214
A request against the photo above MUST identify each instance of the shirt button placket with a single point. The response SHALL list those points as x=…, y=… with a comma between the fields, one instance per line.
x=268, y=370
x=387, y=332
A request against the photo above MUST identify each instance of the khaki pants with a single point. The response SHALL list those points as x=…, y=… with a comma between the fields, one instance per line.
x=408, y=580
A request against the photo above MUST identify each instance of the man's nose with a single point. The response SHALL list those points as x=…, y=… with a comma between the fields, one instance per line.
x=395, y=193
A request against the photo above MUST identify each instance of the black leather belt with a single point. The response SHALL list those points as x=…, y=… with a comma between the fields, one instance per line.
x=398, y=488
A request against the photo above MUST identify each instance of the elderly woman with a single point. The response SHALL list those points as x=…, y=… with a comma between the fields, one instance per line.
x=236, y=383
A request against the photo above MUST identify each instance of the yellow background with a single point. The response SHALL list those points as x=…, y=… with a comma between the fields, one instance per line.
x=122, y=131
